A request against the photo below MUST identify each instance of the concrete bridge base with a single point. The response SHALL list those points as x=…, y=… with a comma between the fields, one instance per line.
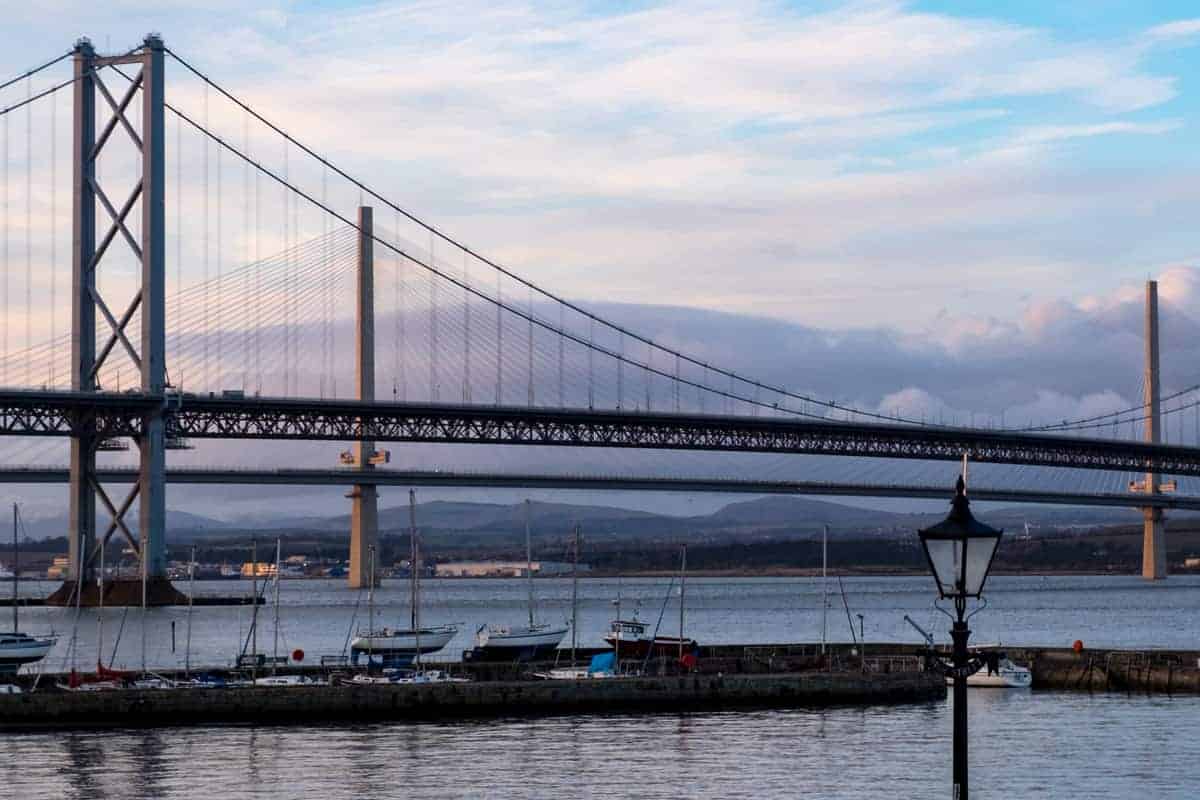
x=124, y=592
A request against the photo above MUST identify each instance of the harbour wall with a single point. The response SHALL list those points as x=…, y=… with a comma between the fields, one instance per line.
x=315, y=704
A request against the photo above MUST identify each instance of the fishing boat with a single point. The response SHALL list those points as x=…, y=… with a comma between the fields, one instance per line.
x=17, y=648
x=401, y=647
x=631, y=639
x=531, y=642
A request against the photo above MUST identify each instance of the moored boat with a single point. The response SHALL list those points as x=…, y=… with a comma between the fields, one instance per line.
x=628, y=639
x=530, y=642
x=21, y=648
x=400, y=647
x=17, y=648
x=517, y=643
x=1000, y=672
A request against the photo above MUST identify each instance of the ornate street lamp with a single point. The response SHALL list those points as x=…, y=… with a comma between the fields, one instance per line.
x=960, y=549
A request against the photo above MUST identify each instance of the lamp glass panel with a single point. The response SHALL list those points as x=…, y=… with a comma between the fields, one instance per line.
x=946, y=555
x=979, y=558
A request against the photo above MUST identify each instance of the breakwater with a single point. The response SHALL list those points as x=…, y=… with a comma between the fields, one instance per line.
x=314, y=704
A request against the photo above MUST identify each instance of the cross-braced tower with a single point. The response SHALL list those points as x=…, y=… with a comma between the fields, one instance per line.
x=147, y=303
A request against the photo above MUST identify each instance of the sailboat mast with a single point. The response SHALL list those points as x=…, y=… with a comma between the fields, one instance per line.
x=824, y=584
x=371, y=610
x=16, y=570
x=275, y=622
x=254, y=604
x=187, y=647
x=682, y=588
x=528, y=563
x=575, y=595
x=100, y=611
x=416, y=575
x=145, y=576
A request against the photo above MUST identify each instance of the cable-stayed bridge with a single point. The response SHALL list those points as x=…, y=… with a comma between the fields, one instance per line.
x=229, y=283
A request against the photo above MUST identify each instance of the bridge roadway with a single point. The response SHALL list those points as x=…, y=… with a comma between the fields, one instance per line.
x=443, y=479
x=51, y=413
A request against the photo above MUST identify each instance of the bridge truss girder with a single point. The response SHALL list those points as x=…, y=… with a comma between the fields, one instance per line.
x=199, y=417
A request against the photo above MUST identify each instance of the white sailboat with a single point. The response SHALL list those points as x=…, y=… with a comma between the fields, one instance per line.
x=397, y=647
x=19, y=648
x=519, y=642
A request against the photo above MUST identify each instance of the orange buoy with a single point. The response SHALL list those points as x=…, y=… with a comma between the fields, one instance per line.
x=1078, y=646
x=297, y=654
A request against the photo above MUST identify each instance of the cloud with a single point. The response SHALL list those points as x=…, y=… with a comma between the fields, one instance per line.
x=1174, y=31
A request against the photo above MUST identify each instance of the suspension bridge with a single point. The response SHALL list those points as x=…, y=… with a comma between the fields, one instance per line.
x=228, y=283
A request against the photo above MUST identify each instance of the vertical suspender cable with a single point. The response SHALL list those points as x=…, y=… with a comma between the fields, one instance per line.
x=529, y=349
x=324, y=279
x=220, y=322
x=401, y=343
x=204, y=301
x=676, y=383
x=258, y=300
x=245, y=244
x=53, y=230
x=591, y=365
x=647, y=375
x=4, y=317
x=620, y=369
x=4, y=254
x=287, y=282
x=28, y=232
x=433, y=327
x=178, y=238
x=561, y=345
x=499, y=338
x=295, y=228
x=466, y=330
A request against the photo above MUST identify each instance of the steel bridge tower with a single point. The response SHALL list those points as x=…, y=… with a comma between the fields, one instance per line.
x=148, y=302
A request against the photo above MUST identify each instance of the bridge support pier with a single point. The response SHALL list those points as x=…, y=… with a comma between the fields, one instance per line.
x=1154, y=545
x=364, y=498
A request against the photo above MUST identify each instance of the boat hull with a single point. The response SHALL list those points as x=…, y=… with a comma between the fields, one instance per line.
x=516, y=644
x=398, y=648
x=659, y=647
x=26, y=651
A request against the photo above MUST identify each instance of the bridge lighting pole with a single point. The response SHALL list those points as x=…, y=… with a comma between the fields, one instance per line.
x=960, y=550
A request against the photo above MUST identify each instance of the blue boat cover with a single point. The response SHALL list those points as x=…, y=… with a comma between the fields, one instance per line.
x=603, y=663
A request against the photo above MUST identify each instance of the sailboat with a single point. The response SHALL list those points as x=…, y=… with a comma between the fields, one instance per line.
x=401, y=647
x=519, y=642
x=18, y=648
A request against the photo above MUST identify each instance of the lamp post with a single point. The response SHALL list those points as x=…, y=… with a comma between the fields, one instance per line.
x=960, y=549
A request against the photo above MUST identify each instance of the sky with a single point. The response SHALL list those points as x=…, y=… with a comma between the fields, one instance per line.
x=922, y=207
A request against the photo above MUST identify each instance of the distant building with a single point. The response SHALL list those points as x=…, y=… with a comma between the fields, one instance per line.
x=503, y=569
x=58, y=568
x=261, y=569
x=1192, y=562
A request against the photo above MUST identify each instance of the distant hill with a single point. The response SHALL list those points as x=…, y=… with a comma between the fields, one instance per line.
x=766, y=517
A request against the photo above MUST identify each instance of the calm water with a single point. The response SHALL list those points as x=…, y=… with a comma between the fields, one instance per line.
x=1039, y=744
